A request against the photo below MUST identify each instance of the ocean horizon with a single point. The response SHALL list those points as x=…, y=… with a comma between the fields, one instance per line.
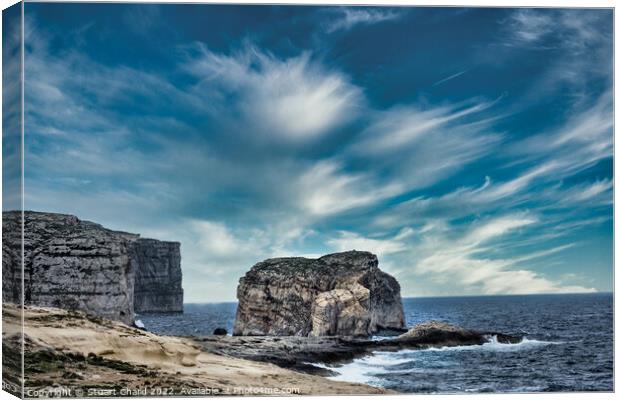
x=440, y=296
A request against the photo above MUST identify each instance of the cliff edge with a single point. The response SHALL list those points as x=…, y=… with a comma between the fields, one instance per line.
x=80, y=265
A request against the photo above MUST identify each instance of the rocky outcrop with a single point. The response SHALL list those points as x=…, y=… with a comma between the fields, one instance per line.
x=306, y=354
x=343, y=294
x=73, y=264
x=437, y=333
x=158, y=284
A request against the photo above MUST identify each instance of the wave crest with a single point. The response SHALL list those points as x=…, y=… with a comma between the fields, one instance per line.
x=366, y=369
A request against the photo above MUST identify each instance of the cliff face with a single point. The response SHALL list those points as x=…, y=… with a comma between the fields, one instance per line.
x=337, y=294
x=11, y=257
x=72, y=264
x=158, y=277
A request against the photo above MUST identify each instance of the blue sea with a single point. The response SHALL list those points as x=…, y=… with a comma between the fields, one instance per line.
x=568, y=344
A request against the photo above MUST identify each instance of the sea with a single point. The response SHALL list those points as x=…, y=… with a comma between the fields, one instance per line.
x=567, y=345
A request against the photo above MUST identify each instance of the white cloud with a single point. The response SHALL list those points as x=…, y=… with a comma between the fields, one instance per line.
x=579, y=43
x=495, y=228
x=418, y=148
x=583, y=140
x=215, y=239
x=348, y=18
x=585, y=137
x=326, y=189
x=294, y=99
x=346, y=241
x=575, y=29
x=529, y=25
x=462, y=259
x=590, y=193
x=403, y=126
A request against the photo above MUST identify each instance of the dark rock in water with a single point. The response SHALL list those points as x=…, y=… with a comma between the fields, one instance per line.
x=437, y=333
x=75, y=264
x=220, y=332
x=433, y=332
x=301, y=353
x=158, y=286
x=343, y=294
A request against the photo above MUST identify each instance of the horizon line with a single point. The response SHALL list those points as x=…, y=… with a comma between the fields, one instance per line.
x=448, y=296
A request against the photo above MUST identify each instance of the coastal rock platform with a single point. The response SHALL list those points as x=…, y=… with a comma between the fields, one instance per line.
x=302, y=353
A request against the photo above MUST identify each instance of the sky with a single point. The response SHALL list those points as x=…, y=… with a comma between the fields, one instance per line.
x=469, y=148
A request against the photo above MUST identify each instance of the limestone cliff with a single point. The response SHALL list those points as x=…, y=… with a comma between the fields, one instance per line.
x=158, y=277
x=76, y=265
x=343, y=294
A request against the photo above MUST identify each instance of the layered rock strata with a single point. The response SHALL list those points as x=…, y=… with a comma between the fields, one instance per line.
x=343, y=294
x=80, y=265
x=158, y=283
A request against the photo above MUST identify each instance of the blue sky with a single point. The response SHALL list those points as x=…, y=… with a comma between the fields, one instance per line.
x=471, y=149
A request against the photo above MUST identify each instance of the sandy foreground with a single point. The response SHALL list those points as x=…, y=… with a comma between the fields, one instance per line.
x=75, y=355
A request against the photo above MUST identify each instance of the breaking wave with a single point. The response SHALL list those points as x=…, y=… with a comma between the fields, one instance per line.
x=369, y=369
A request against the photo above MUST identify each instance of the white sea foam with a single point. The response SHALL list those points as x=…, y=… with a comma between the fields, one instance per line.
x=365, y=369
x=494, y=345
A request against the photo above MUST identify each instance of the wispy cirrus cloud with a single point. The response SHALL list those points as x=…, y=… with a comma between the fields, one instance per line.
x=402, y=126
x=581, y=142
x=325, y=189
x=581, y=52
x=571, y=29
x=529, y=25
x=381, y=247
x=463, y=258
x=295, y=98
x=420, y=147
x=347, y=18
x=11, y=109
x=585, y=138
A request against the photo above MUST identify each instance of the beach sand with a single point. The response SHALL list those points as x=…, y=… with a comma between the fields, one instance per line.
x=84, y=354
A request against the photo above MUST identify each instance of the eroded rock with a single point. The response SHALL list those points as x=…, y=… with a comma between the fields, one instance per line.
x=78, y=265
x=343, y=294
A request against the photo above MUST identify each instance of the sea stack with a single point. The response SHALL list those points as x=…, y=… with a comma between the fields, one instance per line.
x=341, y=294
x=80, y=265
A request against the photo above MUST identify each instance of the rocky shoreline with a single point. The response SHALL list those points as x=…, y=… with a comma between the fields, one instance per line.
x=83, y=353
x=78, y=355
x=303, y=353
